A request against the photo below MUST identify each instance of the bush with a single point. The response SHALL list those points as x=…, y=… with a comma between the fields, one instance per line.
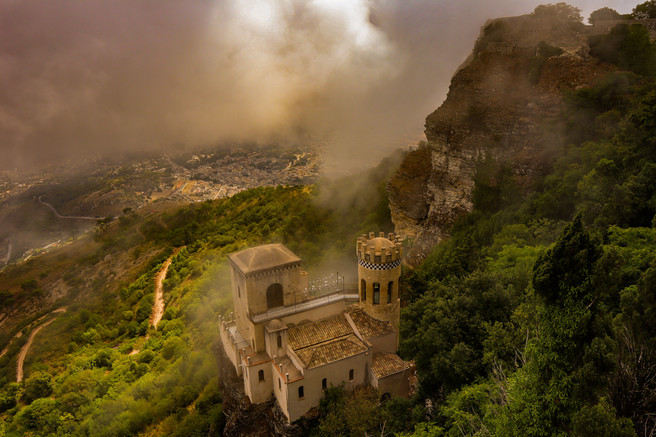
x=102, y=359
x=628, y=46
x=30, y=285
x=604, y=14
x=7, y=401
x=173, y=347
x=37, y=386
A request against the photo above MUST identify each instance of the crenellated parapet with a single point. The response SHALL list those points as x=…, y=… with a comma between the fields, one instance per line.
x=378, y=250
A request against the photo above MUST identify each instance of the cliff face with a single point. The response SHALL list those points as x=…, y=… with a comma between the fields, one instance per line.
x=502, y=104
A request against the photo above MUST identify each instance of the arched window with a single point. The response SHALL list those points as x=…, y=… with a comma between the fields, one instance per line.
x=274, y=296
x=390, y=287
x=301, y=393
x=376, y=293
x=351, y=375
x=260, y=375
x=279, y=340
x=324, y=384
x=363, y=290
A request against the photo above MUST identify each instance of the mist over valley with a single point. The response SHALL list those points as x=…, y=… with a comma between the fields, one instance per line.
x=183, y=185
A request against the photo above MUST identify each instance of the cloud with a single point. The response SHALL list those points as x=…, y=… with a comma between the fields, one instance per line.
x=89, y=77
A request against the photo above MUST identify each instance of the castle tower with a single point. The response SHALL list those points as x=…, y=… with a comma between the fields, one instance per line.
x=379, y=271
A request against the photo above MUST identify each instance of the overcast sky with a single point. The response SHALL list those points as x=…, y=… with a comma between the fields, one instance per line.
x=83, y=77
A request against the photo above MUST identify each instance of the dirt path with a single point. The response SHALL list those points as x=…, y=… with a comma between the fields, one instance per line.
x=158, y=305
x=26, y=347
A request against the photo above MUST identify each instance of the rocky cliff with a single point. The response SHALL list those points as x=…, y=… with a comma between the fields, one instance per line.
x=503, y=104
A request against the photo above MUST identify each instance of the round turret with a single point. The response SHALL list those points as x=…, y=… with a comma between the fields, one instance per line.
x=379, y=271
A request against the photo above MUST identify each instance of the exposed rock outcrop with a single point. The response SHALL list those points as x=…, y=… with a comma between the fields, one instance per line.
x=503, y=103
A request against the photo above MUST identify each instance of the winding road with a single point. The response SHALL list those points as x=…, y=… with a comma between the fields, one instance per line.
x=67, y=216
x=26, y=347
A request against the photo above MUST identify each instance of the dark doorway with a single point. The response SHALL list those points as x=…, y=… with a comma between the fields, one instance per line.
x=274, y=296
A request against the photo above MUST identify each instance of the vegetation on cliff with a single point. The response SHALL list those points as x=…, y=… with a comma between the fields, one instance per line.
x=536, y=317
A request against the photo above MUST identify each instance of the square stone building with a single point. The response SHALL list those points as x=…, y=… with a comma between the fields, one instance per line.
x=289, y=345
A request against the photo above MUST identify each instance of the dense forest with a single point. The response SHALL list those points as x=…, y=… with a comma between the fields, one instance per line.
x=537, y=317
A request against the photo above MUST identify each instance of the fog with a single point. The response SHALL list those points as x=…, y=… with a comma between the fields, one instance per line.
x=89, y=77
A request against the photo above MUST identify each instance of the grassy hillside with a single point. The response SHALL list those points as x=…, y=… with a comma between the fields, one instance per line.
x=99, y=368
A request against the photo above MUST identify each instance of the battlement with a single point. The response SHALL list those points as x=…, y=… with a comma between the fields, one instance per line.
x=378, y=249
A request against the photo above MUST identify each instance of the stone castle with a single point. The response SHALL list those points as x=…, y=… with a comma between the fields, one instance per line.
x=290, y=346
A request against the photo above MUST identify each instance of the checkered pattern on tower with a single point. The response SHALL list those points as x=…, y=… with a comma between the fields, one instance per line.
x=384, y=266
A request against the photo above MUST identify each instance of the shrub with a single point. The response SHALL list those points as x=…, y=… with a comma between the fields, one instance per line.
x=37, y=386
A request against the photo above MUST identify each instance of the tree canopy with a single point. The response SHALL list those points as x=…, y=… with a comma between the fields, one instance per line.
x=644, y=10
x=560, y=11
x=604, y=14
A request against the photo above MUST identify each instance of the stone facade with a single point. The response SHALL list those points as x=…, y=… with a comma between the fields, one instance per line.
x=290, y=346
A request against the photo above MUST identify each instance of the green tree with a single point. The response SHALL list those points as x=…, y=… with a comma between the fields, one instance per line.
x=570, y=360
x=644, y=10
x=600, y=421
x=563, y=274
x=349, y=414
x=45, y=417
x=633, y=385
x=38, y=385
x=444, y=330
x=560, y=11
x=628, y=46
x=604, y=14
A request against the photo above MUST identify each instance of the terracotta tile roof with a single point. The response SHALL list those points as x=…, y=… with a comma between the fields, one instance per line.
x=367, y=325
x=327, y=352
x=318, y=332
x=387, y=364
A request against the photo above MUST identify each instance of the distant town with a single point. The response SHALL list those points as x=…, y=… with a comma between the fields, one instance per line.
x=63, y=202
